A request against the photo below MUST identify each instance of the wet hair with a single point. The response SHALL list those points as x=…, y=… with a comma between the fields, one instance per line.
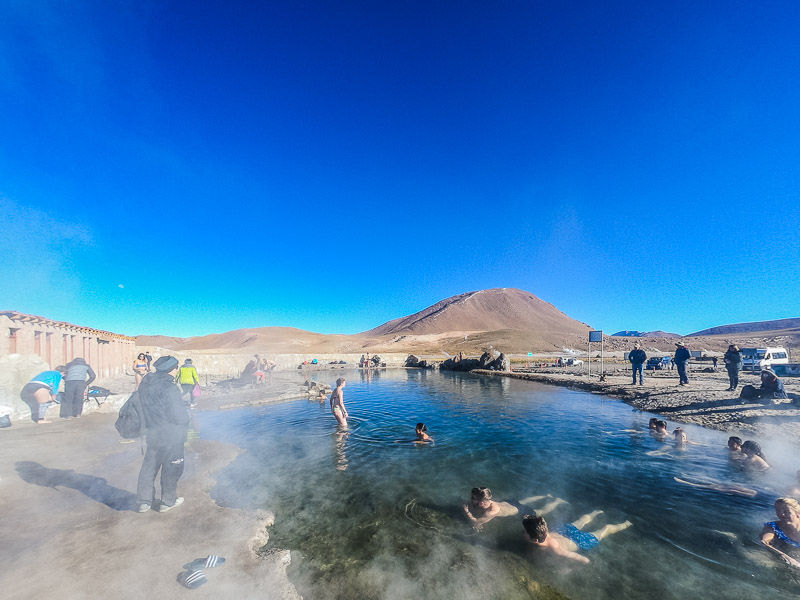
x=141, y=355
x=734, y=440
x=653, y=422
x=790, y=502
x=680, y=434
x=661, y=424
x=482, y=493
x=751, y=447
x=421, y=427
x=340, y=381
x=535, y=527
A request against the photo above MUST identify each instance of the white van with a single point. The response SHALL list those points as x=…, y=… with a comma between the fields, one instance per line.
x=755, y=359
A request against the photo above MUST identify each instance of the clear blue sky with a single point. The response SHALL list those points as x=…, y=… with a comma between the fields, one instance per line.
x=186, y=168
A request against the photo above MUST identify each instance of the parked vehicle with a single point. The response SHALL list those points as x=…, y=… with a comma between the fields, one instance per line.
x=755, y=359
x=657, y=363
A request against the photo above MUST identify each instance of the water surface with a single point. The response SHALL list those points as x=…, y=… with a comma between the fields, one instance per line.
x=367, y=513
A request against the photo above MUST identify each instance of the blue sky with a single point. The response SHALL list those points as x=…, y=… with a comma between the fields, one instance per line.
x=186, y=168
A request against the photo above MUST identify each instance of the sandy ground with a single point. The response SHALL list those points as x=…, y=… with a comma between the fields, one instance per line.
x=69, y=527
x=704, y=401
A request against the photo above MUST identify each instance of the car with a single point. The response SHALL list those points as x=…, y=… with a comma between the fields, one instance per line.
x=657, y=363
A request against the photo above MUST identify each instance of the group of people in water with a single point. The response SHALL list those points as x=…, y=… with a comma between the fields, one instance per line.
x=566, y=540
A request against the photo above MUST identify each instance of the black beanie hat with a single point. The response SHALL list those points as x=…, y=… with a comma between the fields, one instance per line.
x=165, y=364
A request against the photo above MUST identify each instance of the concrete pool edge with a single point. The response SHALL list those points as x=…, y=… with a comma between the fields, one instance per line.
x=69, y=529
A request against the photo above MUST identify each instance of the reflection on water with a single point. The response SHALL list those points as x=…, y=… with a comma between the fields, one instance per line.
x=368, y=517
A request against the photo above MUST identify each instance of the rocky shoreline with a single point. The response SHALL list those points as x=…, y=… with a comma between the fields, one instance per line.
x=704, y=401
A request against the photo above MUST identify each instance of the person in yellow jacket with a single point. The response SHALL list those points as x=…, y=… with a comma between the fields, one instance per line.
x=187, y=377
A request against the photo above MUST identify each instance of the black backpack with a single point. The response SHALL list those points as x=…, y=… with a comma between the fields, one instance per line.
x=130, y=422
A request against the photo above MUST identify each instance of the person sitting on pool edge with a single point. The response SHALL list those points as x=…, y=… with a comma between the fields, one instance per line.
x=485, y=508
x=422, y=435
x=567, y=539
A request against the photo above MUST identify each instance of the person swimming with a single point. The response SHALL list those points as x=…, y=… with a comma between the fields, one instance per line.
x=652, y=423
x=754, y=458
x=785, y=530
x=485, y=509
x=680, y=438
x=735, y=448
x=567, y=539
x=422, y=434
x=660, y=431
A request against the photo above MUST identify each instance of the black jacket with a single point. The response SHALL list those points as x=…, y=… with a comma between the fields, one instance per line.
x=682, y=354
x=637, y=357
x=772, y=388
x=165, y=415
x=733, y=360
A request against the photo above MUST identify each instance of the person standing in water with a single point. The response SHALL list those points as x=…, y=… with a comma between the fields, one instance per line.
x=422, y=434
x=337, y=402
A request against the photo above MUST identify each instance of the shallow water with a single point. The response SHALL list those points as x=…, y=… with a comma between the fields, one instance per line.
x=369, y=514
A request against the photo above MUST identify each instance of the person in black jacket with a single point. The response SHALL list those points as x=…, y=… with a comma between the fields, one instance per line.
x=682, y=356
x=733, y=364
x=771, y=386
x=167, y=425
x=637, y=357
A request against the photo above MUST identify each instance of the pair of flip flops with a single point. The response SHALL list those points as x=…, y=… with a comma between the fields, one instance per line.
x=194, y=577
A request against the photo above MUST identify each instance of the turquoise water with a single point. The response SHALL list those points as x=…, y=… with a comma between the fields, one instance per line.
x=369, y=514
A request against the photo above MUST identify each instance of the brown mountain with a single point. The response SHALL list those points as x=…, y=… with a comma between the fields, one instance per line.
x=485, y=310
x=507, y=319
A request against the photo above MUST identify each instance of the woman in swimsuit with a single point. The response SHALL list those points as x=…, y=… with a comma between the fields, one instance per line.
x=140, y=368
x=337, y=403
x=786, y=529
x=754, y=458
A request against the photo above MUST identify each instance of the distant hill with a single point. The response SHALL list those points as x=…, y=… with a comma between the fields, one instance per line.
x=280, y=340
x=739, y=328
x=485, y=310
x=645, y=334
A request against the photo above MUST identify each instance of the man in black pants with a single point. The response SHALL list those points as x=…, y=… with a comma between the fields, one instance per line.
x=167, y=425
x=75, y=384
x=682, y=356
x=637, y=357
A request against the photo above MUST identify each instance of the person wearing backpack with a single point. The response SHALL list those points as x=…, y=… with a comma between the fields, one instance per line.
x=167, y=424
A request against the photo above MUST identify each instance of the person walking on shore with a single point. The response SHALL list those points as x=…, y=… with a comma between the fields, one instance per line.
x=682, y=356
x=733, y=364
x=166, y=424
x=75, y=385
x=187, y=377
x=637, y=357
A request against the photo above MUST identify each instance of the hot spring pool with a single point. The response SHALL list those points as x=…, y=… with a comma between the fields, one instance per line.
x=369, y=514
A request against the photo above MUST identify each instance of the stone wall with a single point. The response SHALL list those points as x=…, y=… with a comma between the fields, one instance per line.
x=216, y=365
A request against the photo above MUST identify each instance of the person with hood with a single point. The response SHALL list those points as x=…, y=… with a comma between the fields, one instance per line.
x=733, y=364
x=637, y=357
x=166, y=424
x=771, y=386
x=75, y=385
x=681, y=360
x=187, y=377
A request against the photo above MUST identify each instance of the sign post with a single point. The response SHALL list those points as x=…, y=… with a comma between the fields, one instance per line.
x=595, y=336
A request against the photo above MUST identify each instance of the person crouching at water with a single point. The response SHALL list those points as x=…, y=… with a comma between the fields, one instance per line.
x=485, y=509
x=337, y=402
x=784, y=531
x=422, y=434
x=566, y=540
x=754, y=458
x=41, y=391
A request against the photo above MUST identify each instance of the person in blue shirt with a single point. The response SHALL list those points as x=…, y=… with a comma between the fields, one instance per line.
x=40, y=392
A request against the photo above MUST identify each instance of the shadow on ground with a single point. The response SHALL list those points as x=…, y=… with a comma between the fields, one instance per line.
x=93, y=487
